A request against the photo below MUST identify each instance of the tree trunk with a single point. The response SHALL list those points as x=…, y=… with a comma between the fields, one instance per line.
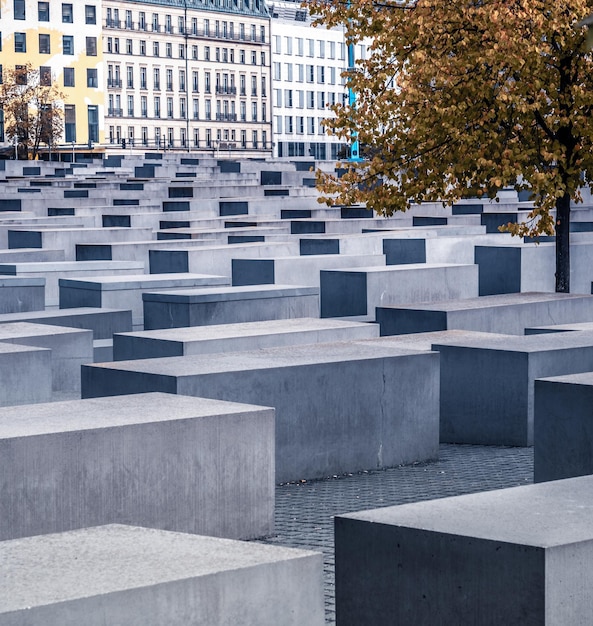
x=563, y=244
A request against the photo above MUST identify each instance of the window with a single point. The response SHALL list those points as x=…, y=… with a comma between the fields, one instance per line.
x=321, y=46
x=42, y=11
x=195, y=81
x=321, y=100
x=288, y=45
x=242, y=56
x=254, y=111
x=170, y=108
x=45, y=76
x=194, y=53
x=206, y=53
x=300, y=73
x=93, y=122
x=91, y=78
x=300, y=48
x=128, y=46
x=253, y=85
x=277, y=71
x=253, y=57
x=208, y=111
x=182, y=108
x=143, y=80
x=207, y=28
x=157, y=106
x=196, y=109
x=44, y=47
x=169, y=50
x=116, y=45
x=217, y=54
x=310, y=73
x=142, y=20
x=67, y=14
x=253, y=32
x=321, y=74
x=68, y=77
x=67, y=44
x=194, y=25
x=263, y=112
x=300, y=99
x=129, y=24
x=70, y=122
x=157, y=78
x=243, y=107
x=254, y=138
x=19, y=9
x=182, y=51
x=144, y=135
x=262, y=34
x=288, y=68
x=21, y=74
x=90, y=14
x=263, y=86
x=130, y=76
x=130, y=106
x=109, y=44
x=310, y=126
x=277, y=44
x=20, y=42
x=332, y=49
x=207, y=81
x=300, y=125
x=310, y=48
x=169, y=80
x=168, y=28
x=288, y=98
x=278, y=97
x=181, y=80
x=196, y=137
x=143, y=47
x=310, y=99
x=288, y=128
x=155, y=22
x=91, y=46
x=155, y=48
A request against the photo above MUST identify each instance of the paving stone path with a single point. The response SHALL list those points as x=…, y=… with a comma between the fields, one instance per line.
x=305, y=511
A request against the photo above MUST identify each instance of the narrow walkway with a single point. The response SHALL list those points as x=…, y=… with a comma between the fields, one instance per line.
x=305, y=511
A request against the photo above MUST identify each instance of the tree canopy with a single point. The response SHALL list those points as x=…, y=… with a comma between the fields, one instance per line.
x=30, y=102
x=465, y=98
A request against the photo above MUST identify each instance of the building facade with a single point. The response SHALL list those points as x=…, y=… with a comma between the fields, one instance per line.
x=187, y=74
x=307, y=67
x=63, y=41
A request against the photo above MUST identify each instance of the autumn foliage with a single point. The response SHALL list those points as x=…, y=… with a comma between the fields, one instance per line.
x=464, y=98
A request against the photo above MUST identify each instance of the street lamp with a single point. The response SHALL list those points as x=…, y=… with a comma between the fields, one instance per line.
x=15, y=140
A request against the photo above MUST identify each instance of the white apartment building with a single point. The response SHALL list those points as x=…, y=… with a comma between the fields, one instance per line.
x=307, y=64
x=187, y=75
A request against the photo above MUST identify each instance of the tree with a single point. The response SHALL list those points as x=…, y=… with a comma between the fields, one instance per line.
x=464, y=98
x=32, y=114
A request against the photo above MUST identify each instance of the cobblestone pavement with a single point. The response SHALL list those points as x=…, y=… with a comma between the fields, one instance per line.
x=305, y=511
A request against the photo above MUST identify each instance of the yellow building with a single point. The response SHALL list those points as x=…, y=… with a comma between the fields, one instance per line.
x=62, y=39
x=187, y=75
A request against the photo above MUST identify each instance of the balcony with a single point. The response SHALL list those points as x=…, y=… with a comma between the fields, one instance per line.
x=114, y=83
x=226, y=117
x=222, y=90
x=114, y=112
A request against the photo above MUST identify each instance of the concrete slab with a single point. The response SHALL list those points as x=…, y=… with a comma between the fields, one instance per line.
x=227, y=305
x=335, y=410
x=512, y=556
x=119, y=574
x=70, y=349
x=487, y=383
x=563, y=427
x=21, y=294
x=357, y=292
x=125, y=292
x=26, y=374
x=163, y=461
x=192, y=340
x=506, y=313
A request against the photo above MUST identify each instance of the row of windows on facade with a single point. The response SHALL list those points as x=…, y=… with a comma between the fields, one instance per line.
x=300, y=73
x=70, y=123
x=225, y=82
x=290, y=125
x=310, y=45
x=221, y=55
x=209, y=28
x=301, y=99
x=220, y=138
x=225, y=110
x=20, y=44
x=43, y=12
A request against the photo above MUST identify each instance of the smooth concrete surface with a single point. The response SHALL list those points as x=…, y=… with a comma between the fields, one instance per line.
x=118, y=575
x=26, y=374
x=487, y=383
x=563, y=427
x=53, y=272
x=125, y=292
x=511, y=556
x=228, y=305
x=507, y=313
x=296, y=270
x=192, y=340
x=70, y=349
x=340, y=407
x=19, y=295
x=164, y=461
x=357, y=292
x=103, y=322
x=559, y=328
